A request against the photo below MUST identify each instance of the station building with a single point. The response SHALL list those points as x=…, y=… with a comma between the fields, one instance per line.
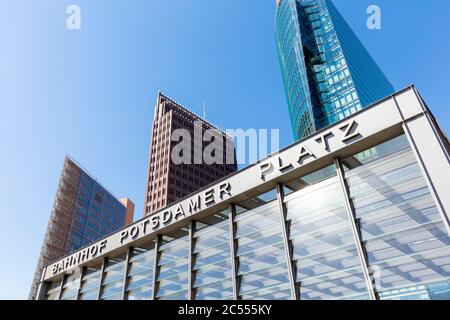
x=358, y=210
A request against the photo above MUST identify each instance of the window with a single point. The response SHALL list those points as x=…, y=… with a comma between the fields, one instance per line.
x=404, y=236
x=173, y=266
x=53, y=290
x=70, y=287
x=213, y=258
x=328, y=265
x=112, y=286
x=140, y=275
x=261, y=252
x=98, y=198
x=90, y=283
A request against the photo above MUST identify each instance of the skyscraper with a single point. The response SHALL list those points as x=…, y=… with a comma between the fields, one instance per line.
x=83, y=212
x=327, y=73
x=168, y=181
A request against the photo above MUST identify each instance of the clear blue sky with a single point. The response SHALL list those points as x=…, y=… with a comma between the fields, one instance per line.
x=90, y=93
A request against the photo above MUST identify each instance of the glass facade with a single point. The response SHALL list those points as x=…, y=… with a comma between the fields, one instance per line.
x=406, y=241
x=83, y=212
x=53, y=291
x=328, y=74
x=262, y=270
x=245, y=252
x=113, y=279
x=328, y=265
x=96, y=214
x=140, y=276
x=90, y=283
x=173, y=266
x=70, y=287
x=212, y=259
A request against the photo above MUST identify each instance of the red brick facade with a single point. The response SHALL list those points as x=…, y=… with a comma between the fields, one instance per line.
x=168, y=182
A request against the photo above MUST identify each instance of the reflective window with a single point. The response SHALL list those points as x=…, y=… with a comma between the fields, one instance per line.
x=262, y=267
x=212, y=258
x=173, y=266
x=53, y=290
x=90, y=284
x=70, y=287
x=406, y=241
x=328, y=265
x=112, y=286
x=140, y=275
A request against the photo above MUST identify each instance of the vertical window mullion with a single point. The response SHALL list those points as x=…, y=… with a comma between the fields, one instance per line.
x=233, y=249
x=356, y=231
x=287, y=244
x=126, y=270
x=80, y=283
x=102, y=277
x=61, y=286
x=191, y=262
x=155, y=266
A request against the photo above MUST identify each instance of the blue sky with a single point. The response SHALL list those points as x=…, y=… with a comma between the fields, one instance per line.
x=90, y=93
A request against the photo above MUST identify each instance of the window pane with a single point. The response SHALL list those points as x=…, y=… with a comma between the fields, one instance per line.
x=140, y=275
x=70, y=288
x=407, y=244
x=53, y=291
x=90, y=284
x=213, y=259
x=113, y=280
x=328, y=265
x=262, y=259
x=173, y=266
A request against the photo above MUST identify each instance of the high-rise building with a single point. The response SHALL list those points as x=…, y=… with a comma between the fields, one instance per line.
x=327, y=73
x=83, y=212
x=168, y=181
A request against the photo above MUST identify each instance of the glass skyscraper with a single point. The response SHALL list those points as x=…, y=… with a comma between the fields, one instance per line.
x=328, y=74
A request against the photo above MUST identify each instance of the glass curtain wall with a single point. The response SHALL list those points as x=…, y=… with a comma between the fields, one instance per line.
x=139, y=285
x=173, y=266
x=90, y=283
x=405, y=239
x=262, y=265
x=324, y=249
x=53, y=291
x=212, y=258
x=113, y=282
x=71, y=286
x=402, y=235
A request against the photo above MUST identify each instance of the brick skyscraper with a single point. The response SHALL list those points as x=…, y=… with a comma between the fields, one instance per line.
x=167, y=181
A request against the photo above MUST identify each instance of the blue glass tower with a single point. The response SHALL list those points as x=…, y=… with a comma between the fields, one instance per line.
x=327, y=73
